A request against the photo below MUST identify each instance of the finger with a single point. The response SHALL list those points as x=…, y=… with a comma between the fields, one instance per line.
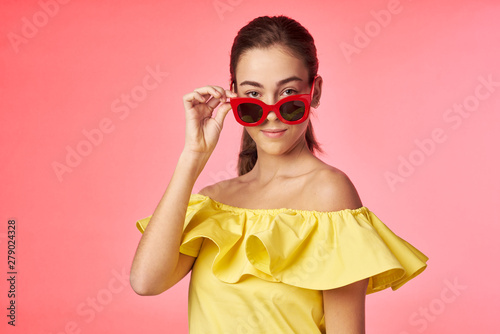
x=221, y=91
x=225, y=94
x=192, y=99
x=208, y=91
x=222, y=113
x=230, y=93
x=214, y=102
x=194, y=96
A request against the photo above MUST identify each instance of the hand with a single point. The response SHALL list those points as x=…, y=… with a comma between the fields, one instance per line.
x=203, y=128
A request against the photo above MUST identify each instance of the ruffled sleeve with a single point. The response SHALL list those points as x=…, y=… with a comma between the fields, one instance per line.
x=198, y=210
x=307, y=249
x=334, y=249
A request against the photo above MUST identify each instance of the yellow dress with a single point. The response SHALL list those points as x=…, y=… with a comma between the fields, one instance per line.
x=263, y=271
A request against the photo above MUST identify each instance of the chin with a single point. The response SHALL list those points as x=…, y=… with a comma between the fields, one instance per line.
x=275, y=150
x=282, y=148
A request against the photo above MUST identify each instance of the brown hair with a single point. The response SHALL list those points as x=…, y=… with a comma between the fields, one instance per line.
x=264, y=32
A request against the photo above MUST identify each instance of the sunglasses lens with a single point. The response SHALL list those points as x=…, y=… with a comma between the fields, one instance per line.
x=250, y=112
x=293, y=110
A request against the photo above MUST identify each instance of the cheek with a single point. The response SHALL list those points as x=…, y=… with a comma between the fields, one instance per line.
x=251, y=131
x=302, y=127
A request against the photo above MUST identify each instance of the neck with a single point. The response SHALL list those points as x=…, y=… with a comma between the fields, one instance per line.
x=289, y=164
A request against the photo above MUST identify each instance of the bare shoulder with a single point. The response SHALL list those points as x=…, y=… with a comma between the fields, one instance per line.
x=332, y=190
x=219, y=190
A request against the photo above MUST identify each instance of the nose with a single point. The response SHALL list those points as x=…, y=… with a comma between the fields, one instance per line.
x=271, y=116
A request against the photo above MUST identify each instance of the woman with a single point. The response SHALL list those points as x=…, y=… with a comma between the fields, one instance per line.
x=287, y=246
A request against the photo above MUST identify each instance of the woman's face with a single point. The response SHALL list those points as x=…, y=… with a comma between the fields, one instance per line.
x=270, y=75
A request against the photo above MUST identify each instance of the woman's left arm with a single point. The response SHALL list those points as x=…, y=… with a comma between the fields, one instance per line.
x=344, y=308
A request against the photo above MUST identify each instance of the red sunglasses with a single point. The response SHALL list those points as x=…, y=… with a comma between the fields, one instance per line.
x=290, y=110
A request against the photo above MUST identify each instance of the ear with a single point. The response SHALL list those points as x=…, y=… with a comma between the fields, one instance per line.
x=318, y=86
x=232, y=87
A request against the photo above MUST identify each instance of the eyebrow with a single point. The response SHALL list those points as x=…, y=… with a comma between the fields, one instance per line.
x=281, y=82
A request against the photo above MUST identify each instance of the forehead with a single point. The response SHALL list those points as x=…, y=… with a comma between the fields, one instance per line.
x=269, y=65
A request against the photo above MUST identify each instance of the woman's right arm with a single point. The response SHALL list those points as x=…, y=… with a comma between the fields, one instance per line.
x=157, y=263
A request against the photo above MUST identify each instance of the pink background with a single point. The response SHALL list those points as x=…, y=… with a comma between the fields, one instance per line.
x=390, y=102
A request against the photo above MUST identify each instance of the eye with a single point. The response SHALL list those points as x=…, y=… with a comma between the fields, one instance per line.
x=289, y=91
x=252, y=94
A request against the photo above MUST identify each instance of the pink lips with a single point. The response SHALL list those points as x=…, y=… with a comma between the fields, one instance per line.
x=274, y=133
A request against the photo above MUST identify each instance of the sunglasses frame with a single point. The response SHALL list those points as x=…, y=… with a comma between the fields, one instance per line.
x=266, y=108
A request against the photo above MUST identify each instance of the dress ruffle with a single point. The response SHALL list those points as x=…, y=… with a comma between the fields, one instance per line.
x=307, y=249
